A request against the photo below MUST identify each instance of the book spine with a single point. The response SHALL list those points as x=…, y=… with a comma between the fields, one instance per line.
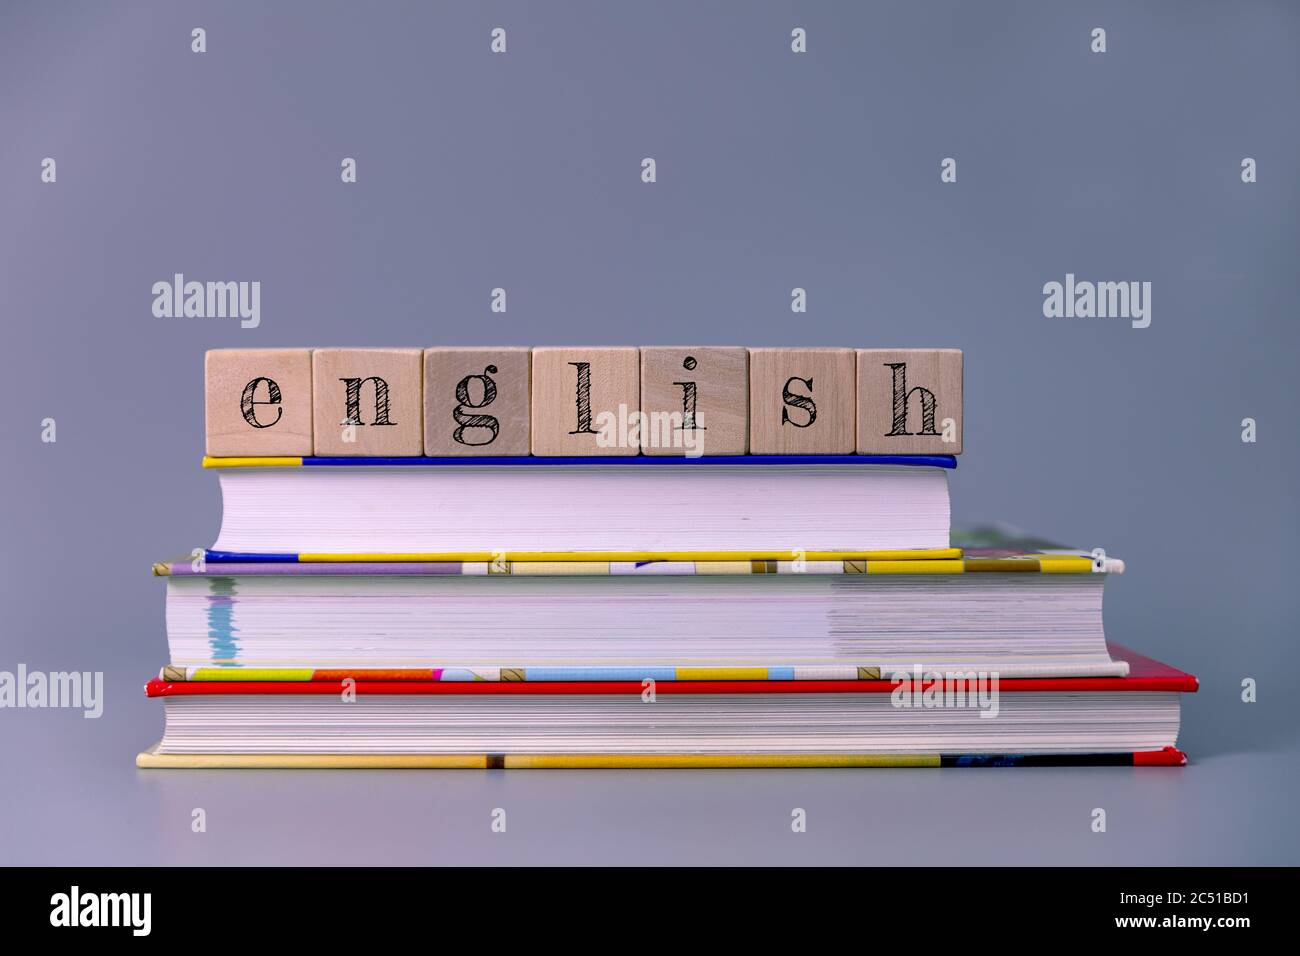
x=1169, y=757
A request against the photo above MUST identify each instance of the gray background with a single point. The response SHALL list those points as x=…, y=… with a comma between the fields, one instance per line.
x=775, y=170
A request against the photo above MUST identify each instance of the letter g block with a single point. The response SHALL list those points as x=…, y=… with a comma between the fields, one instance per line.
x=477, y=401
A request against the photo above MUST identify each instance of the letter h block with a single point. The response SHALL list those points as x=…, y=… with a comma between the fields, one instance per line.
x=909, y=401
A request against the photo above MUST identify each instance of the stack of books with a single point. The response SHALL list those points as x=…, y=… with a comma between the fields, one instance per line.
x=775, y=607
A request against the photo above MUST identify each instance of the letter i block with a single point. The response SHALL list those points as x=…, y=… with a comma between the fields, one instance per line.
x=368, y=402
x=801, y=401
x=477, y=401
x=694, y=401
x=258, y=402
x=585, y=401
x=909, y=401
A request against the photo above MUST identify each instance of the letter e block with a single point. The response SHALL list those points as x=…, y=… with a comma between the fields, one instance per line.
x=584, y=400
x=368, y=402
x=909, y=401
x=801, y=401
x=694, y=401
x=258, y=402
x=477, y=401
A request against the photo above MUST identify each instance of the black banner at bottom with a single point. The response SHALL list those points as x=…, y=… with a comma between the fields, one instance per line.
x=364, y=905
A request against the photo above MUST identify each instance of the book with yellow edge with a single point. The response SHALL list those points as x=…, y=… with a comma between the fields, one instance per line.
x=1022, y=607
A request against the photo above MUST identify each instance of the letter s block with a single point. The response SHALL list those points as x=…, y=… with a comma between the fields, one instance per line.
x=258, y=402
x=801, y=401
x=477, y=401
x=585, y=401
x=368, y=402
x=909, y=401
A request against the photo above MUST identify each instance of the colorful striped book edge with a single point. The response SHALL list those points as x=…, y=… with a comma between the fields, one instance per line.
x=233, y=673
x=151, y=759
x=555, y=563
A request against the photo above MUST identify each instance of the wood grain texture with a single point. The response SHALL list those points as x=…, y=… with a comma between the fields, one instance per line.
x=257, y=402
x=464, y=415
x=801, y=401
x=907, y=400
x=715, y=396
x=567, y=416
x=389, y=413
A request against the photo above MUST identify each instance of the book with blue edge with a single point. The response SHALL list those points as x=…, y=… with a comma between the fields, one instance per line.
x=760, y=505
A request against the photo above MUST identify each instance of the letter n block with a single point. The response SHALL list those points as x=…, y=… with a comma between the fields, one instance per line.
x=368, y=402
x=477, y=401
x=801, y=401
x=258, y=402
x=694, y=400
x=585, y=400
x=909, y=401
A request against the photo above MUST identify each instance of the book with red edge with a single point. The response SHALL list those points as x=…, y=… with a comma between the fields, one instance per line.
x=940, y=720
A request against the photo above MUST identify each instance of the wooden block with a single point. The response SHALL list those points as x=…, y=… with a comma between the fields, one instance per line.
x=909, y=401
x=584, y=400
x=258, y=402
x=368, y=401
x=477, y=401
x=694, y=401
x=801, y=401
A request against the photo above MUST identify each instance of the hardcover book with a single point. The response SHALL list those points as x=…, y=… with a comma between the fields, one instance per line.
x=925, y=720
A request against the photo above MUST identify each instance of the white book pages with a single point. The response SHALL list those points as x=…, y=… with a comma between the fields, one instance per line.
x=415, y=509
x=1025, y=623
x=1024, y=722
